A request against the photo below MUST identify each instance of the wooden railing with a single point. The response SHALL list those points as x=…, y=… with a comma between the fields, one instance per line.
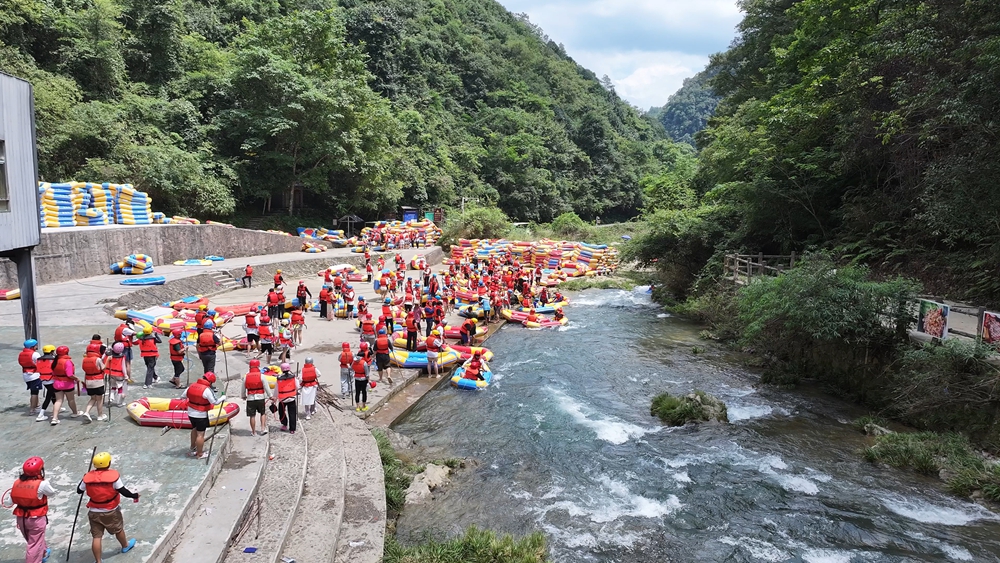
x=741, y=268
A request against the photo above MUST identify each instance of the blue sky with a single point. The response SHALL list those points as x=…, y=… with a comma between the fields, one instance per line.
x=647, y=47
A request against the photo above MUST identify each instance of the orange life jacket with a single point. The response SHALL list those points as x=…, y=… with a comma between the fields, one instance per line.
x=346, y=358
x=100, y=484
x=265, y=332
x=90, y=370
x=206, y=341
x=26, y=361
x=472, y=370
x=120, y=335
x=368, y=327
x=251, y=320
x=147, y=348
x=382, y=344
x=196, y=395
x=176, y=350
x=254, y=383
x=94, y=347
x=24, y=495
x=359, y=368
x=59, y=368
x=286, y=388
x=297, y=318
x=309, y=375
x=116, y=367
x=433, y=344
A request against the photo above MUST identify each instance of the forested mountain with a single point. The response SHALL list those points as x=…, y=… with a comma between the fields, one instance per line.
x=867, y=128
x=688, y=110
x=363, y=104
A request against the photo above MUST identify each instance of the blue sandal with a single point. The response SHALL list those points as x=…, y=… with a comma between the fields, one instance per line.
x=127, y=548
x=48, y=551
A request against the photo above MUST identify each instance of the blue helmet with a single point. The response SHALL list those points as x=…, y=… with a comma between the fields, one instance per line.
x=211, y=312
x=30, y=343
x=381, y=331
x=209, y=324
x=387, y=301
x=361, y=298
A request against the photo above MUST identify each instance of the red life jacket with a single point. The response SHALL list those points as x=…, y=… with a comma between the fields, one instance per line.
x=120, y=335
x=345, y=359
x=411, y=322
x=324, y=295
x=387, y=311
x=297, y=318
x=468, y=328
x=251, y=320
x=309, y=375
x=433, y=344
x=176, y=350
x=26, y=361
x=116, y=366
x=472, y=370
x=368, y=327
x=206, y=341
x=196, y=395
x=285, y=337
x=272, y=299
x=301, y=292
x=249, y=271
x=94, y=347
x=147, y=348
x=265, y=332
x=199, y=320
x=100, y=484
x=286, y=388
x=90, y=370
x=24, y=495
x=359, y=368
x=337, y=282
x=59, y=369
x=277, y=279
x=254, y=383
x=382, y=344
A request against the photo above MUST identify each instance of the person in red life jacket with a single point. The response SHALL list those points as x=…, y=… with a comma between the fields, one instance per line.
x=201, y=398
x=309, y=384
x=380, y=325
x=93, y=379
x=467, y=332
x=288, y=388
x=247, y=278
x=368, y=330
x=526, y=303
x=349, y=299
x=324, y=302
x=338, y=284
x=428, y=315
x=273, y=303
x=412, y=328
x=473, y=369
x=346, y=359
x=208, y=343
x=362, y=307
x=285, y=341
x=302, y=293
x=360, y=369
x=124, y=334
x=251, y=321
x=30, y=495
x=29, y=372
x=543, y=296
x=114, y=365
x=266, y=338
x=438, y=312
x=178, y=353
x=388, y=314
x=369, y=270
x=532, y=316
x=383, y=347
x=64, y=382
x=278, y=280
x=366, y=352
x=104, y=487
x=257, y=392
x=298, y=323
x=200, y=317
x=150, y=353
x=434, y=346
x=559, y=314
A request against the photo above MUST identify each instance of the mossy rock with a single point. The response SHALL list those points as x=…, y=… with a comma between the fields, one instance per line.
x=698, y=406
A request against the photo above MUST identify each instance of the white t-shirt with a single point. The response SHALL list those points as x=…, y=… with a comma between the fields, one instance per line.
x=35, y=375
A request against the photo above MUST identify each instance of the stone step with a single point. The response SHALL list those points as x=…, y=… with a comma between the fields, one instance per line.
x=213, y=523
x=279, y=493
x=362, y=530
x=315, y=529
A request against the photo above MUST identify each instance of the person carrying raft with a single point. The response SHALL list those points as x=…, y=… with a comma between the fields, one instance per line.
x=473, y=370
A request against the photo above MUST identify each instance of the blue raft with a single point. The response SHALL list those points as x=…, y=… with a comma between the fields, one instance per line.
x=152, y=280
x=472, y=384
x=214, y=258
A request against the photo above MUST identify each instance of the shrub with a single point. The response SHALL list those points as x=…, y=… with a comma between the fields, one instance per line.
x=571, y=226
x=397, y=479
x=678, y=411
x=474, y=546
x=475, y=222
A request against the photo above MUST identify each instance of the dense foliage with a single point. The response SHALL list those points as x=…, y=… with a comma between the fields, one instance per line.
x=474, y=546
x=360, y=104
x=688, y=110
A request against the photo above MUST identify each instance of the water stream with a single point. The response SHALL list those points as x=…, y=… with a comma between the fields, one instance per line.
x=566, y=444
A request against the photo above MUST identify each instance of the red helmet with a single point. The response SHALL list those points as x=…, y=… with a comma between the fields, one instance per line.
x=210, y=377
x=301, y=282
x=33, y=466
x=381, y=317
x=254, y=363
x=265, y=319
x=176, y=333
x=372, y=383
x=364, y=345
x=62, y=351
x=345, y=345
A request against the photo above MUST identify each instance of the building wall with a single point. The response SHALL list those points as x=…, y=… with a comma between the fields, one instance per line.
x=19, y=227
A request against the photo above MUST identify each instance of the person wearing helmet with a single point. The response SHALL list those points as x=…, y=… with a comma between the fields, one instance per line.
x=29, y=371
x=361, y=370
x=44, y=365
x=208, y=343
x=201, y=398
x=266, y=338
x=435, y=344
x=200, y=317
x=178, y=353
x=94, y=378
x=64, y=382
x=388, y=314
x=278, y=280
x=30, y=495
x=297, y=323
x=247, y=278
x=532, y=316
x=104, y=487
x=559, y=314
x=467, y=332
x=288, y=388
x=324, y=302
x=285, y=341
x=474, y=367
x=150, y=353
x=383, y=347
x=257, y=392
x=349, y=299
x=273, y=303
x=412, y=327
x=302, y=293
x=124, y=334
x=309, y=384
x=362, y=307
x=117, y=368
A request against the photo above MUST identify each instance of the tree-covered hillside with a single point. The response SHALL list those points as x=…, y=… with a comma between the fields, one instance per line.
x=211, y=105
x=688, y=110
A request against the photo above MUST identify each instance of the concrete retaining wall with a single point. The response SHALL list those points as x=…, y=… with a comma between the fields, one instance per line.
x=83, y=252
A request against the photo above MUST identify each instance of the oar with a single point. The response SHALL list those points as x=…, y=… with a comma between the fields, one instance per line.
x=90, y=465
x=222, y=405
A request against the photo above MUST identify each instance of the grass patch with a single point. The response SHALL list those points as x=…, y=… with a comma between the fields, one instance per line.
x=678, y=411
x=398, y=475
x=474, y=546
x=930, y=452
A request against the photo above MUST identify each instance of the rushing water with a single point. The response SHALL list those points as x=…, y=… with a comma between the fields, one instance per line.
x=566, y=444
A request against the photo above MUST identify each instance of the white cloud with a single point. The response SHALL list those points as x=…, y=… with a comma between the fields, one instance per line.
x=644, y=78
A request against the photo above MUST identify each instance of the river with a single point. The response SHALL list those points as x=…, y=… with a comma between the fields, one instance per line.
x=565, y=444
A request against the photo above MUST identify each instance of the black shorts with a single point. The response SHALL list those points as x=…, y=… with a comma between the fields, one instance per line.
x=95, y=391
x=35, y=385
x=198, y=423
x=253, y=338
x=267, y=347
x=382, y=361
x=255, y=406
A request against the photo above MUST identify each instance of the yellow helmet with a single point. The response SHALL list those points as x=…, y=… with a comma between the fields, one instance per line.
x=286, y=316
x=474, y=321
x=279, y=271
x=436, y=332
x=102, y=460
x=48, y=349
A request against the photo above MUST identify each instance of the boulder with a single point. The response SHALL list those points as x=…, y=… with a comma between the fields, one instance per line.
x=432, y=478
x=695, y=407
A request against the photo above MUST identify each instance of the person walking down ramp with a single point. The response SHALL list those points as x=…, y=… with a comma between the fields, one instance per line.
x=201, y=398
x=288, y=387
x=30, y=495
x=256, y=391
x=150, y=353
x=208, y=343
x=346, y=359
x=104, y=487
x=310, y=383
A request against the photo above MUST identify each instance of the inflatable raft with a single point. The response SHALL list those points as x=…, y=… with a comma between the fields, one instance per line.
x=547, y=309
x=152, y=280
x=546, y=323
x=461, y=382
x=214, y=258
x=353, y=273
x=193, y=262
x=9, y=294
x=464, y=352
x=473, y=311
x=155, y=411
x=240, y=309
x=190, y=302
x=417, y=360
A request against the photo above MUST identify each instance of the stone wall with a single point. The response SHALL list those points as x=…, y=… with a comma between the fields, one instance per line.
x=84, y=252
